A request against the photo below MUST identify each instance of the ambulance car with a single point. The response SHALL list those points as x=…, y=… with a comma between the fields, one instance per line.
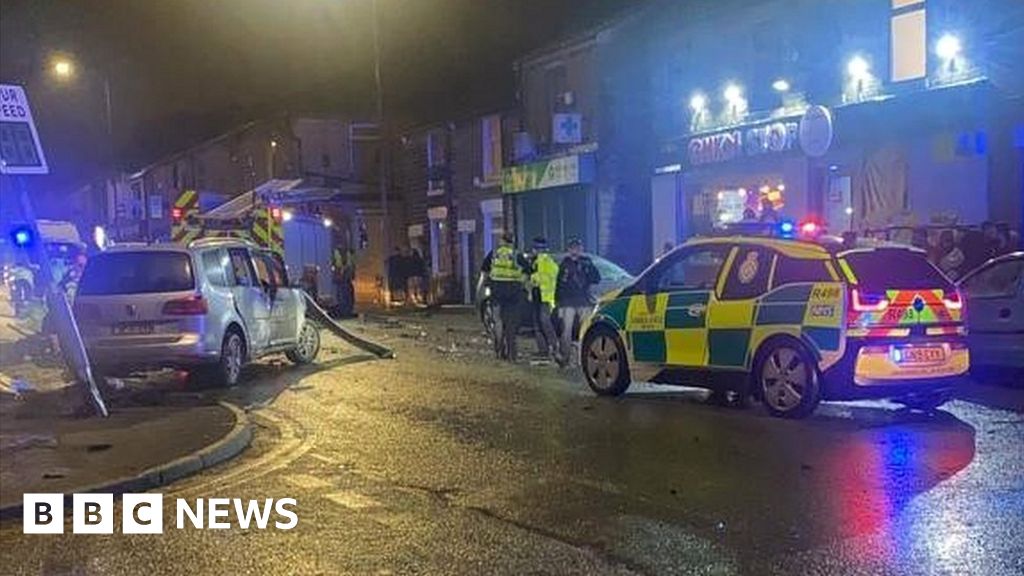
x=788, y=321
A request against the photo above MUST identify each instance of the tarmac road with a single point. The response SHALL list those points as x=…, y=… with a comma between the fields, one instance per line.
x=445, y=462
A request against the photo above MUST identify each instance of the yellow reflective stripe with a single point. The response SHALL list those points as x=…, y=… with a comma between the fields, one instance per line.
x=724, y=272
x=260, y=233
x=185, y=198
x=847, y=271
x=731, y=314
x=832, y=271
x=686, y=346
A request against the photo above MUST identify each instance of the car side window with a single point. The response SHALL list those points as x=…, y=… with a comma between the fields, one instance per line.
x=748, y=275
x=214, y=266
x=264, y=275
x=241, y=267
x=695, y=269
x=1000, y=280
x=796, y=270
x=275, y=268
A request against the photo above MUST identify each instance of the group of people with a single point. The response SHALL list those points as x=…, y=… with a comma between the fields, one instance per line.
x=959, y=252
x=554, y=291
x=407, y=276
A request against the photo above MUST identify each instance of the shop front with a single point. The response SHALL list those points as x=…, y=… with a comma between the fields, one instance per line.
x=760, y=171
x=914, y=159
x=555, y=199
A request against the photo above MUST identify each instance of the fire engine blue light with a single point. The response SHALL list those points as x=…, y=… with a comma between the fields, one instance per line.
x=22, y=237
x=786, y=228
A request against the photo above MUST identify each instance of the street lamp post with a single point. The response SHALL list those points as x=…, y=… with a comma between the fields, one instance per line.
x=383, y=156
x=64, y=69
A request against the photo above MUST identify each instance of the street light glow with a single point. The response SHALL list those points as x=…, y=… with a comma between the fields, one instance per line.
x=698, y=102
x=948, y=47
x=781, y=85
x=733, y=94
x=858, y=68
x=63, y=68
x=328, y=222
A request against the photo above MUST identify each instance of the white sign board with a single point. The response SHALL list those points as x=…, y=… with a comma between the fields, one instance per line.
x=20, y=149
x=467, y=225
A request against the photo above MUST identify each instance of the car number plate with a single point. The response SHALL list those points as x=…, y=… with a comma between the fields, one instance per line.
x=133, y=329
x=924, y=355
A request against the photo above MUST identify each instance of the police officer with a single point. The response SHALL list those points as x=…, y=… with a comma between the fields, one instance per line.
x=542, y=297
x=507, y=270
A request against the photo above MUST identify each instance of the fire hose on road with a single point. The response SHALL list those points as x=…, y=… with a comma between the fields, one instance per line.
x=314, y=311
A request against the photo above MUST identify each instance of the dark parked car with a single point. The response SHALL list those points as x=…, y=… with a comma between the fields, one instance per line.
x=995, y=312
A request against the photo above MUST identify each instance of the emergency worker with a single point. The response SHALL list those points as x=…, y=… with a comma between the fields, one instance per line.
x=507, y=270
x=542, y=282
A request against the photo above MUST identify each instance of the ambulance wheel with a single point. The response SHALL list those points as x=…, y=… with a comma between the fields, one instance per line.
x=786, y=379
x=604, y=362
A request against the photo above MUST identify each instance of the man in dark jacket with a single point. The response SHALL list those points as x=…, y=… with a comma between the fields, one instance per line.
x=576, y=274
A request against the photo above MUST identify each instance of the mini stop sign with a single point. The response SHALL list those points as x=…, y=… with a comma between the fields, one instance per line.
x=20, y=149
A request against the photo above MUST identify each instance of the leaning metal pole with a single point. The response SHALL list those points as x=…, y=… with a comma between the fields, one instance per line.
x=382, y=176
x=71, y=345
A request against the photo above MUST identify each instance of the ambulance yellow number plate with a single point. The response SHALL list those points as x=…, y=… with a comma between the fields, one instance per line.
x=922, y=355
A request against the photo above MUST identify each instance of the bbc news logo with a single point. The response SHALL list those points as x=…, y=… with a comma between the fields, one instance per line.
x=144, y=513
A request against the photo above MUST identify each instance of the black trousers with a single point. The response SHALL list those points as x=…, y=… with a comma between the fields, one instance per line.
x=508, y=298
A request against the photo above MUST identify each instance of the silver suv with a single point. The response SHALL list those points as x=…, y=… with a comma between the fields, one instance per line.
x=207, y=308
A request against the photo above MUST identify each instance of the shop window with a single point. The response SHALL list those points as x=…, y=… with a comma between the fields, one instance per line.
x=748, y=276
x=795, y=271
x=908, y=43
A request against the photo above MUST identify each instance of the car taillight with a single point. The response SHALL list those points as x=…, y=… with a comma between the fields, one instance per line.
x=953, y=301
x=867, y=302
x=191, y=306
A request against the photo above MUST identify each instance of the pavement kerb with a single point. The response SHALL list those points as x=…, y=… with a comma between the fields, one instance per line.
x=227, y=447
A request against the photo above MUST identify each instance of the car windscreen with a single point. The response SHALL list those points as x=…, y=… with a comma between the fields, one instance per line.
x=137, y=273
x=895, y=269
x=608, y=270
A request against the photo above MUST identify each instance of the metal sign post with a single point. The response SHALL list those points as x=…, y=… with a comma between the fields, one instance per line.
x=21, y=153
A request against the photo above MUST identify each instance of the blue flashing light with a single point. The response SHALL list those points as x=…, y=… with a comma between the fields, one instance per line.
x=786, y=228
x=22, y=236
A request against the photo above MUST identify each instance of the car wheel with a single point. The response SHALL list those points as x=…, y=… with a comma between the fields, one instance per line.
x=232, y=356
x=787, y=380
x=308, y=346
x=604, y=362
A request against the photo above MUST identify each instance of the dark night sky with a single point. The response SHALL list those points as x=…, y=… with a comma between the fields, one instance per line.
x=183, y=70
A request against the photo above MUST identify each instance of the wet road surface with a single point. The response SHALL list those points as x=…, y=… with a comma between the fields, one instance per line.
x=444, y=462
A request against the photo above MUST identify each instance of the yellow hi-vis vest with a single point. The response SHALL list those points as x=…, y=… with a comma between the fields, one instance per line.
x=545, y=277
x=505, y=265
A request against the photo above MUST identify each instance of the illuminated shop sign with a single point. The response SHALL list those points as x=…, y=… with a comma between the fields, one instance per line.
x=730, y=145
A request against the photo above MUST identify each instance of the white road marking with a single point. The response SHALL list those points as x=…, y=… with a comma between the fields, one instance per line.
x=305, y=481
x=352, y=500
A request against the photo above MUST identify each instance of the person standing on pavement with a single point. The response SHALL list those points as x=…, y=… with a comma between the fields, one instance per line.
x=542, y=297
x=344, y=275
x=576, y=275
x=506, y=269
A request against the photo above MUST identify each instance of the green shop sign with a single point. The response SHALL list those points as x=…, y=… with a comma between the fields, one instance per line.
x=561, y=171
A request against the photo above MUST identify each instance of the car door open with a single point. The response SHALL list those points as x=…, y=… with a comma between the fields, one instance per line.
x=251, y=300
